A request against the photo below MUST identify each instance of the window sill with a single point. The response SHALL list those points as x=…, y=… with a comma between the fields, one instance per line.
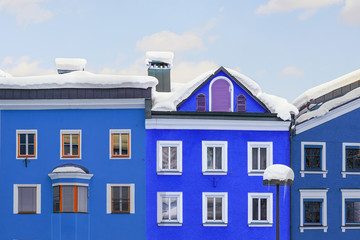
x=302, y=228
x=117, y=158
x=349, y=173
x=256, y=173
x=169, y=173
x=344, y=228
x=254, y=224
x=170, y=224
x=215, y=224
x=215, y=173
x=303, y=172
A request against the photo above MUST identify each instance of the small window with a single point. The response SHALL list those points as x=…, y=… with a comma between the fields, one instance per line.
x=26, y=146
x=260, y=209
x=27, y=198
x=201, y=103
x=70, y=199
x=120, y=143
x=215, y=209
x=169, y=157
x=312, y=212
x=120, y=198
x=260, y=156
x=350, y=209
x=214, y=157
x=241, y=103
x=313, y=158
x=169, y=208
x=351, y=159
x=70, y=144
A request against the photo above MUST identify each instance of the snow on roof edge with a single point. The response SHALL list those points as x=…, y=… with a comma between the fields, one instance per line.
x=166, y=57
x=76, y=64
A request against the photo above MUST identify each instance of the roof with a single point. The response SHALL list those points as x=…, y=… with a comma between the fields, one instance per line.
x=70, y=168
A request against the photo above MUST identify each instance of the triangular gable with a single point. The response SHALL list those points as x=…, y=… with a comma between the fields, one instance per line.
x=253, y=104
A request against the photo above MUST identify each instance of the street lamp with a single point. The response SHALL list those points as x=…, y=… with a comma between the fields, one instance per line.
x=278, y=175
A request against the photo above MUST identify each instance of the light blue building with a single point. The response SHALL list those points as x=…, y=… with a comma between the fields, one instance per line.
x=72, y=160
x=208, y=143
x=326, y=162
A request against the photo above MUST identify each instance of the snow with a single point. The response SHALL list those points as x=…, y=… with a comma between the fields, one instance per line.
x=165, y=57
x=169, y=101
x=68, y=169
x=278, y=172
x=78, y=79
x=76, y=64
x=4, y=74
x=329, y=105
x=325, y=88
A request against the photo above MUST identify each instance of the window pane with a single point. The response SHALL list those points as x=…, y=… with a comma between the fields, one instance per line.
x=31, y=138
x=357, y=211
x=255, y=209
x=75, y=139
x=115, y=199
x=165, y=157
x=31, y=150
x=116, y=148
x=349, y=212
x=165, y=208
x=255, y=158
x=263, y=209
x=218, y=208
x=22, y=138
x=22, y=149
x=173, y=158
x=67, y=198
x=262, y=158
x=313, y=158
x=56, y=199
x=312, y=212
x=173, y=207
x=210, y=209
x=82, y=198
x=27, y=199
x=210, y=157
x=218, y=156
x=125, y=199
x=66, y=139
x=75, y=150
x=124, y=144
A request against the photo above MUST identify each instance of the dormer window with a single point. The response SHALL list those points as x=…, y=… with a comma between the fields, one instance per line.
x=241, y=103
x=201, y=103
x=221, y=95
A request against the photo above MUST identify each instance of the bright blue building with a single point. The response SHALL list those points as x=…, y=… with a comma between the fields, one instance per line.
x=326, y=161
x=208, y=143
x=72, y=161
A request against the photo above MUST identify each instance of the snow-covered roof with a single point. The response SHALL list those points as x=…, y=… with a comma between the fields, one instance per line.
x=165, y=57
x=168, y=101
x=78, y=79
x=278, y=172
x=70, y=168
x=4, y=74
x=325, y=88
x=75, y=64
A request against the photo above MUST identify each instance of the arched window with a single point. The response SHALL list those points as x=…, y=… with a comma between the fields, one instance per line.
x=201, y=103
x=241, y=103
x=221, y=95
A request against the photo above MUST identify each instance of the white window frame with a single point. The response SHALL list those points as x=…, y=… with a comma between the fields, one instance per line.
x=224, y=157
x=313, y=194
x=269, y=156
x=348, y=194
x=62, y=132
x=344, y=172
x=323, y=170
x=159, y=169
x=115, y=131
x=215, y=223
x=162, y=222
x=269, y=210
x=108, y=196
x=231, y=90
x=27, y=131
x=16, y=197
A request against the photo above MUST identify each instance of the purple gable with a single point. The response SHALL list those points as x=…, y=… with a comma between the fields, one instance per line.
x=221, y=96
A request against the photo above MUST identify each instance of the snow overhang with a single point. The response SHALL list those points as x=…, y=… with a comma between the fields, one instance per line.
x=278, y=174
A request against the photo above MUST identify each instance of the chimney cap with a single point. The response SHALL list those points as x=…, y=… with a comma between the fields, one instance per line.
x=72, y=64
x=156, y=56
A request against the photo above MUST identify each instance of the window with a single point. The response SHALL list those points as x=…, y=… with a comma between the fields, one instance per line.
x=260, y=156
x=169, y=157
x=120, y=198
x=169, y=208
x=214, y=157
x=260, y=209
x=27, y=198
x=350, y=159
x=241, y=103
x=313, y=158
x=221, y=95
x=201, y=103
x=70, y=144
x=26, y=144
x=70, y=198
x=120, y=144
x=313, y=209
x=215, y=208
x=350, y=209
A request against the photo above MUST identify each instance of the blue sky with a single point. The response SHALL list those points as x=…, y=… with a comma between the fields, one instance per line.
x=287, y=46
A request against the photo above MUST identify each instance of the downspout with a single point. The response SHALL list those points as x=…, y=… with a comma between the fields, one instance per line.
x=291, y=135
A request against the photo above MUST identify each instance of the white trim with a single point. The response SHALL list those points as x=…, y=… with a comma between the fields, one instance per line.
x=344, y=172
x=215, y=223
x=269, y=210
x=70, y=131
x=16, y=197
x=159, y=169
x=269, y=156
x=206, y=124
x=108, y=195
x=348, y=193
x=323, y=159
x=54, y=176
x=111, y=131
x=30, y=104
x=27, y=131
x=348, y=107
x=313, y=194
x=224, y=157
x=231, y=95
x=70, y=184
x=179, y=213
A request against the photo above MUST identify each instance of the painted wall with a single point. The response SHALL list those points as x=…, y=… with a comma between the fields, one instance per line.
x=95, y=125
x=192, y=183
x=342, y=129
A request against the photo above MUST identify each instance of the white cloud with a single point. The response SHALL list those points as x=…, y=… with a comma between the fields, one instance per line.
x=307, y=14
x=187, y=71
x=24, y=66
x=137, y=68
x=169, y=41
x=291, y=72
x=350, y=13
x=26, y=11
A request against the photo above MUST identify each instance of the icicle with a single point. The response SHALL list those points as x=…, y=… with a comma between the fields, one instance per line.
x=285, y=186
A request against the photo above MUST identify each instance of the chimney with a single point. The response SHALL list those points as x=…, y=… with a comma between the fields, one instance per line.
x=159, y=65
x=67, y=65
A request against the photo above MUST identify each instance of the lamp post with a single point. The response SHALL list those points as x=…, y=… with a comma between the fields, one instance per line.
x=278, y=175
